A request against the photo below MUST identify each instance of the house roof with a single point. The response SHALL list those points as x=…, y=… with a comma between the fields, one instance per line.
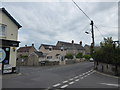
x=6, y=12
x=40, y=54
x=24, y=49
x=68, y=45
x=50, y=46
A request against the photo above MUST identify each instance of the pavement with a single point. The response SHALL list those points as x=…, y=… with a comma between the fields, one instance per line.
x=80, y=75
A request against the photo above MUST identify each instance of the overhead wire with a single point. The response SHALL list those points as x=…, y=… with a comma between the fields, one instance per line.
x=82, y=10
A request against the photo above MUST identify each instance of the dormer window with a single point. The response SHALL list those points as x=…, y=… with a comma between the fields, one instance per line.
x=50, y=48
x=62, y=48
x=3, y=30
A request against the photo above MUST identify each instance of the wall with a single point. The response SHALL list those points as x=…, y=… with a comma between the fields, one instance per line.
x=12, y=29
x=107, y=68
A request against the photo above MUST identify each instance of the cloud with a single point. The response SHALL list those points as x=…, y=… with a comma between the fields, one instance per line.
x=48, y=22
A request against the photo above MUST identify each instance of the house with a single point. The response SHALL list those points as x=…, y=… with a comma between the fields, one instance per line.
x=57, y=52
x=53, y=52
x=87, y=49
x=24, y=52
x=36, y=58
x=72, y=47
x=8, y=39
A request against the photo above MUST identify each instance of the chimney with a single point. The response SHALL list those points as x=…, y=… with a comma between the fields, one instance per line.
x=72, y=41
x=25, y=45
x=81, y=43
x=32, y=44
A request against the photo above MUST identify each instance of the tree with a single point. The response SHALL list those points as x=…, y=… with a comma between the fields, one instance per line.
x=79, y=55
x=108, y=53
x=69, y=56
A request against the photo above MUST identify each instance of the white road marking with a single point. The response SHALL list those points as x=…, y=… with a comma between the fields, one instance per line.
x=71, y=82
x=56, y=85
x=81, y=78
x=83, y=74
x=109, y=84
x=77, y=80
x=88, y=74
x=76, y=77
x=80, y=75
x=65, y=81
x=64, y=86
x=71, y=79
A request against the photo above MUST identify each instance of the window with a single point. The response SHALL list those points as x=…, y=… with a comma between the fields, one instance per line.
x=2, y=29
x=49, y=57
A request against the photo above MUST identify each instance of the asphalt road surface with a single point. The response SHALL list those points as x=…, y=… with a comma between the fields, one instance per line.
x=80, y=75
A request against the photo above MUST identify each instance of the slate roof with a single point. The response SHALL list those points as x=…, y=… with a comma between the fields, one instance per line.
x=6, y=12
x=24, y=49
x=48, y=46
x=40, y=54
x=68, y=45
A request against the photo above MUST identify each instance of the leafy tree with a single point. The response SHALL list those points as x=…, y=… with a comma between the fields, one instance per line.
x=79, y=55
x=69, y=56
x=108, y=53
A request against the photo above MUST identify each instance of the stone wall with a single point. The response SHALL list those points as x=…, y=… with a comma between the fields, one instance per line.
x=107, y=68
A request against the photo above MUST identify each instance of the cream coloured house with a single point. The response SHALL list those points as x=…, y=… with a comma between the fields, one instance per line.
x=8, y=39
x=53, y=53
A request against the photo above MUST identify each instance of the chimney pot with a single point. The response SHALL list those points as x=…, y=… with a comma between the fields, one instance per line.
x=25, y=45
x=72, y=41
x=81, y=43
x=33, y=44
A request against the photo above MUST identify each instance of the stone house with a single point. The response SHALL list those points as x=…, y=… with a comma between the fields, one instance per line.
x=36, y=58
x=53, y=53
x=57, y=52
x=87, y=49
x=23, y=54
x=72, y=47
x=8, y=39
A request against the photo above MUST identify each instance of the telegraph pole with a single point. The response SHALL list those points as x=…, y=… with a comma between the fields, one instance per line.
x=93, y=42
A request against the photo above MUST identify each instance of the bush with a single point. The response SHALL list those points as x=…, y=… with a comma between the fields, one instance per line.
x=79, y=55
x=108, y=53
x=69, y=56
x=87, y=56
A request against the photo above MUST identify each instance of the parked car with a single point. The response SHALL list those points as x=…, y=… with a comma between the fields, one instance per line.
x=91, y=59
x=7, y=69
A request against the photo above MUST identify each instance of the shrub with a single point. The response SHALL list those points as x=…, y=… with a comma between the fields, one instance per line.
x=69, y=56
x=79, y=55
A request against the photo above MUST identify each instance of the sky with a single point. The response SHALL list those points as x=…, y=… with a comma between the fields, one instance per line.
x=49, y=22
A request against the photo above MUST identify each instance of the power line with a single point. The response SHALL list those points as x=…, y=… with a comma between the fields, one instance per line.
x=107, y=26
x=82, y=10
x=99, y=31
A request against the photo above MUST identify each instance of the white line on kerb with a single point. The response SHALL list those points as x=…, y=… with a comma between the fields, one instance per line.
x=64, y=86
x=77, y=80
x=56, y=85
x=65, y=81
x=71, y=82
x=116, y=85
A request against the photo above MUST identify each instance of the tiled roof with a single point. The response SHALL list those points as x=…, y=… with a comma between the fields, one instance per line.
x=24, y=49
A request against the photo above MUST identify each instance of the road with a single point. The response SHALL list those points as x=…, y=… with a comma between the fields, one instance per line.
x=80, y=75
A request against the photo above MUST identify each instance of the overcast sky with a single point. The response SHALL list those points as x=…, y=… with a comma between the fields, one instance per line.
x=49, y=22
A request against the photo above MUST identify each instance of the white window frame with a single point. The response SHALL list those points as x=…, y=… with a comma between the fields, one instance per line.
x=3, y=34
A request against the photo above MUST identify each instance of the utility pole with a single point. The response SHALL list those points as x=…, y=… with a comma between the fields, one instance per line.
x=93, y=42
